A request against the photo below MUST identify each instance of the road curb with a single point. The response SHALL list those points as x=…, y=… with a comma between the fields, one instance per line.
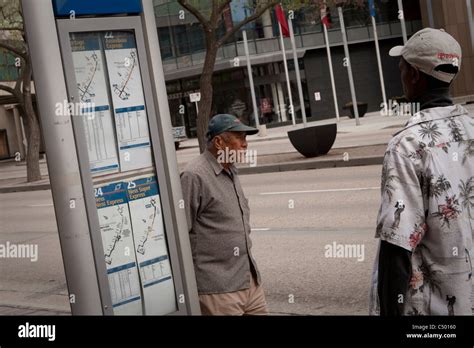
x=268, y=168
x=312, y=164
x=13, y=309
x=23, y=188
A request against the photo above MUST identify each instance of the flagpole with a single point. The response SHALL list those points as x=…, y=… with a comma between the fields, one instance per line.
x=349, y=68
x=297, y=70
x=401, y=16
x=287, y=75
x=252, y=87
x=331, y=72
x=377, y=51
x=471, y=22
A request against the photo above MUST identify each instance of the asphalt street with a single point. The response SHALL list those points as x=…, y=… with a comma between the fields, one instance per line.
x=295, y=216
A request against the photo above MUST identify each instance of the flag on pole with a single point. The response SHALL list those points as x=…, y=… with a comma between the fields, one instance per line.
x=282, y=20
x=372, y=8
x=326, y=17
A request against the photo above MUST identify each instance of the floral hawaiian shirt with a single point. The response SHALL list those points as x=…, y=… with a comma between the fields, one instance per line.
x=428, y=208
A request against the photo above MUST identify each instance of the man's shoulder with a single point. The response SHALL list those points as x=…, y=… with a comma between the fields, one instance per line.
x=404, y=141
x=432, y=130
x=198, y=166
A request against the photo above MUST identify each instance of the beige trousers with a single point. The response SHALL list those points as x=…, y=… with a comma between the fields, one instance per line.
x=243, y=302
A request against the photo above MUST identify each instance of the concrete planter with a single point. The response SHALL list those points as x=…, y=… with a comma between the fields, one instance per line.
x=313, y=141
x=361, y=107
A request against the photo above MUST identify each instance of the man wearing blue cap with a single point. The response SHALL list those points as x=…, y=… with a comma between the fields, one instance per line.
x=218, y=213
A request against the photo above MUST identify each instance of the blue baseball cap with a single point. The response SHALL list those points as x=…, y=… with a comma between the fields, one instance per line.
x=227, y=123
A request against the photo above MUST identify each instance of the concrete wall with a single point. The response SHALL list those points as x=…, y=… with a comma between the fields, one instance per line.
x=365, y=72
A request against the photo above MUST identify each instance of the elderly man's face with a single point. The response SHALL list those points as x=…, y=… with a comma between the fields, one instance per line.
x=234, y=141
x=230, y=147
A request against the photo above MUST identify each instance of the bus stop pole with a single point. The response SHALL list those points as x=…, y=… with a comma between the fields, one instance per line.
x=63, y=167
x=173, y=183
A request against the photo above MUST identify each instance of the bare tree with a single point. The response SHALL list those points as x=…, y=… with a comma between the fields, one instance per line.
x=13, y=40
x=210, y=20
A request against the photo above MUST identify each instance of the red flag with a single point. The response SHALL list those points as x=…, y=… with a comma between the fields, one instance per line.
x=326, y=17
x=282, y=20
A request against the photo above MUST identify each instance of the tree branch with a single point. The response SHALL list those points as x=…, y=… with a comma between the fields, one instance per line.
x=222, y=7
x=220, y=11
x=258, y=12
x=13, y=49
x=7, y=89
x=195, y=12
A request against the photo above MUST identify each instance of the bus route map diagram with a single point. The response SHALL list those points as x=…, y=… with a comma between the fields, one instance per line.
x=149, y=228
x=121, y=231
x=122, y=89
x=87, y=87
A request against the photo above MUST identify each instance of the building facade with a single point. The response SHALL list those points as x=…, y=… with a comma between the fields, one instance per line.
x=182, y=47
x=183, y=51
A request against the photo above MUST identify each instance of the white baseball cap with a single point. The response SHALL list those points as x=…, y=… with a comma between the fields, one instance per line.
x=429, y=48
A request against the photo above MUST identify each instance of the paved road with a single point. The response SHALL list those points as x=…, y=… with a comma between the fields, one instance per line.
x=28, y=218
x=330, y=205
x=337, y=205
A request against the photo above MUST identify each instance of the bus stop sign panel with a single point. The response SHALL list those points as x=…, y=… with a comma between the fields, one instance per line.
x=94, y=7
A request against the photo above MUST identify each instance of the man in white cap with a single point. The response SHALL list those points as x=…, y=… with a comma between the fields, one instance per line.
x=425, y=222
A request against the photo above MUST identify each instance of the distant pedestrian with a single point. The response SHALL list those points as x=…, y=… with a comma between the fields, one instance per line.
x=424, y=264
x=218, y=214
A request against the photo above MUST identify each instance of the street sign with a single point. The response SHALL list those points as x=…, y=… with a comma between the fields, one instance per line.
x=195, y=97
x=125, y=242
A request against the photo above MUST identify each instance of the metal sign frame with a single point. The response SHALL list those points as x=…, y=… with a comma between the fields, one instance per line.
x=129, y=23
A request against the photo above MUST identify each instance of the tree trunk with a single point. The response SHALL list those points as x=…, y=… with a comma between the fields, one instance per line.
x=206, y=89
x=32, y=129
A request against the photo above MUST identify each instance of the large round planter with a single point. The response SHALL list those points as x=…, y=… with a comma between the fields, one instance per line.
x=361, y=108
x=315, y=140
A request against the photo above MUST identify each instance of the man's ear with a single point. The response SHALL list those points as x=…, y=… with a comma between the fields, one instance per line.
x=415, y=75
x=218, y=142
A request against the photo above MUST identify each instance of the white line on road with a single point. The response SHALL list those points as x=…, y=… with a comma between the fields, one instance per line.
x=40, y=205
x=320, y=191
x=260, y=229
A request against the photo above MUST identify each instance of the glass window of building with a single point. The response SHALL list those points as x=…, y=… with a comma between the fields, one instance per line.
x=165, y=43
x=8, y=70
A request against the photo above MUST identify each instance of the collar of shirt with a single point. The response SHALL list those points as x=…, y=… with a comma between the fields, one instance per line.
x=218, y=168
x=433, y=114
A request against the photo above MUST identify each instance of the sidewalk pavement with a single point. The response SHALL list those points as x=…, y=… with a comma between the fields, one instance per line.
x=354, y=146
x=23, y=310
